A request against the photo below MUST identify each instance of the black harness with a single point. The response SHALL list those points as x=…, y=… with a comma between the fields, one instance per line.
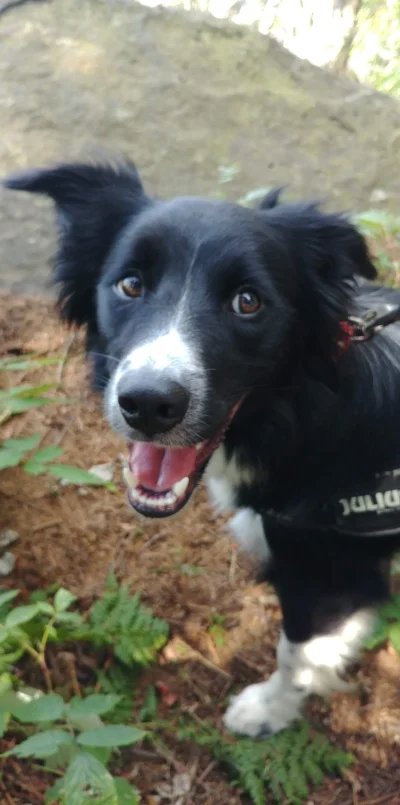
x=372, y=507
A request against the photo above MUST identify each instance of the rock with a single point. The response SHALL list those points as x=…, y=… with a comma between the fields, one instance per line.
x=7, y=563
x=378, y=196
x=202, y=105
x=104, y=471
x=7, y=537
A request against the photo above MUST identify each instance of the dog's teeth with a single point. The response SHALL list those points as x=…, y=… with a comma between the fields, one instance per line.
x=180, y=487
x=199, y=446
x=130, y=479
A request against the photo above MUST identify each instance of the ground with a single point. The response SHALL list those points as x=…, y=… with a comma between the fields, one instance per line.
x=188, y=572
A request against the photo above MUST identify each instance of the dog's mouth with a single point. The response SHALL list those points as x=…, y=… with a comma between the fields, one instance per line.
x=161, y=480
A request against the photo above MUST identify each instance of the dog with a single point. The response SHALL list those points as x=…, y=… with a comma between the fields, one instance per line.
x=237, y=343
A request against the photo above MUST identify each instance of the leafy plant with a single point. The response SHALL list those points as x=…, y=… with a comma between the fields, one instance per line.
x=72, y=737
x=117, y=620
x=28, y=629
x=120, y=621
x=26, y=452
x=387, y=626
x=283, y=765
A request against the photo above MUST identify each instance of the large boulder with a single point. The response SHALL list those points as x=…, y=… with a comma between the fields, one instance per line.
x=195, y=102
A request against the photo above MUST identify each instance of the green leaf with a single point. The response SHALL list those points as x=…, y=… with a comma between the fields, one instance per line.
x=9, y=458
x=20, y=615
x=24, y=390
x=88, y=781
x=19, y=406
x=112, y=735
x=8, y=596
x=149, y=709
x=101, y=753
x=4, y=719
x=74, y=619
x=394, y=636
x=34, y=468
x=127, y=794
x=74, y=475
x=45, y=608
x=23, y=364
x=49, y=453
x=23, y=445
x=42, y=745
x=46, y=708
x=55, y=793
x=95, y=704
x=63, y=599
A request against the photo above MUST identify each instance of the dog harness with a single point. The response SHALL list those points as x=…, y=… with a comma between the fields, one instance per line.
x=373, y=507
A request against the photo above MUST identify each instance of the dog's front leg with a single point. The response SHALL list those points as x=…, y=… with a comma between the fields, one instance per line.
x=328, y=601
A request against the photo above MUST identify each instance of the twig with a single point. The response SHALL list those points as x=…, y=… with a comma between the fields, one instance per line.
x=46, y=524
x=67, y=346
x=7, y=797
x=383, y=798
x=207, y=771
x=153, y=540
x=168, y=756
x=232, y=567
x=58, y=439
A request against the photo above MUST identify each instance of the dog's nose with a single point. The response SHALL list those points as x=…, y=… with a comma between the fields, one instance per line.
x=152, y=407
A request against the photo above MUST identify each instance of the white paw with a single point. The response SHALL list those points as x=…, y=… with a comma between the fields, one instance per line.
x=263, y=709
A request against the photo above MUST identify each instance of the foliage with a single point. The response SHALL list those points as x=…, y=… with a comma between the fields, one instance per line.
x=387, y=626
x=117, y=620
x=26, y=452
x=72, y=736
x=120, y=621
x=375, y=55
x=66, y=739
x=284, y=765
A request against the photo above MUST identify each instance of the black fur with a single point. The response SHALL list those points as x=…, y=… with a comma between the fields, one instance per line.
x=313, y=421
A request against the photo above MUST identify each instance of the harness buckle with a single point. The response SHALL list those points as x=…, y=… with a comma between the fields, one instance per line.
x=365, y=327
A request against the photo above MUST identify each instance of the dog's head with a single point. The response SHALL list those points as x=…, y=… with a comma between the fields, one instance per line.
x=193, y=307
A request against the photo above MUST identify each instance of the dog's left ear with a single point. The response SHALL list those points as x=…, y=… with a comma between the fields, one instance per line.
x=93, y=204
x=326, y=252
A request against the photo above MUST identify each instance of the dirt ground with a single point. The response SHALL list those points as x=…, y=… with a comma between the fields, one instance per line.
x=203, y=106
x=186, y=570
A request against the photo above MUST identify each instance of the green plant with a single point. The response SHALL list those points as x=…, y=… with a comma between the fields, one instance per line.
x=120, y=621
x=387, y=626
x=73, y=738
x=28, y=629
x=117, y=620
x=283, y=765
x=217, y=630
x=27, y=452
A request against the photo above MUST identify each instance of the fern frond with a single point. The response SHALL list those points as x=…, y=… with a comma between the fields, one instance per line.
x=283, y=765
x=120, y=620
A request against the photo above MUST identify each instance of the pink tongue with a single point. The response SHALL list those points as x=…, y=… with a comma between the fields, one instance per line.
x=159, y=468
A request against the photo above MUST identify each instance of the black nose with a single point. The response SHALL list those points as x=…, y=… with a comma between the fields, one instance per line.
x=152, y=407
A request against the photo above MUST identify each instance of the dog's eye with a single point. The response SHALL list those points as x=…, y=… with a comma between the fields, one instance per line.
x=246, y=303
x=130, y=286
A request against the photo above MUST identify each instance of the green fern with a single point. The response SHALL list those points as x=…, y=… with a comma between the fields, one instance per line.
x=283, y=765
x=121, y=621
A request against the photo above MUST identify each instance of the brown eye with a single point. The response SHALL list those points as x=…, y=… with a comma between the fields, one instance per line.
x=246, y=303
x=130, y=286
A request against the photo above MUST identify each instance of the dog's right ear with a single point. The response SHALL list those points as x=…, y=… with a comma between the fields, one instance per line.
x=93, y=203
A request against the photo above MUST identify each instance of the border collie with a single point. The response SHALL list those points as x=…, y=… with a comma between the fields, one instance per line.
x=223, y=341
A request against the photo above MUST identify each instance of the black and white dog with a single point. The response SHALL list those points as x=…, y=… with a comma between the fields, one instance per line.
x=223, y=340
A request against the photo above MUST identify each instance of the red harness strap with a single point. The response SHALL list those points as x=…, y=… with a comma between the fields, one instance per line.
x=347, y=336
